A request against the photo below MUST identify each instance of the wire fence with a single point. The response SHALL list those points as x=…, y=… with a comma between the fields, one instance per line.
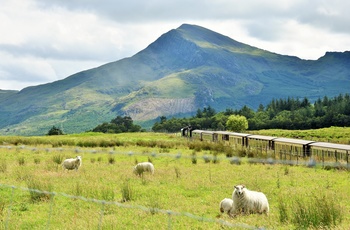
x=308, y=162
x=267, y=158
x=169, y=213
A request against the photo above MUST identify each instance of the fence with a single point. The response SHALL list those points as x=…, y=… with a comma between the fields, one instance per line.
x=266, y=158
x=169, y=213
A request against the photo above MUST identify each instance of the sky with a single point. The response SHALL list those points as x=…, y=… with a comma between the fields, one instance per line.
x=43, y=41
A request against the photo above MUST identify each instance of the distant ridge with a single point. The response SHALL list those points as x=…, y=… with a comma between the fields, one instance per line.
x=185, y=69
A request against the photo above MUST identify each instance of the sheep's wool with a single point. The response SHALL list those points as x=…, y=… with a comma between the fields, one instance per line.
x=226, y=205
x=248, y=201
x=144, y=167
x=72, y=163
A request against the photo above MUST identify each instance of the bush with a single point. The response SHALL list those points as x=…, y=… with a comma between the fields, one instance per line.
x=55, y=131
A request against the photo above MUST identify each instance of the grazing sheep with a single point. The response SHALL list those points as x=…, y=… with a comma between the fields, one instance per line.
x=226, y=205
x=142, y=167
x=247, y=201
x=72, y=163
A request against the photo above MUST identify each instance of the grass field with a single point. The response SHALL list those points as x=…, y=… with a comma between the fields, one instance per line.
x=184, y=192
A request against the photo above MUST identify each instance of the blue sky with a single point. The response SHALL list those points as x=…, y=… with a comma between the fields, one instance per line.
x=47, y=40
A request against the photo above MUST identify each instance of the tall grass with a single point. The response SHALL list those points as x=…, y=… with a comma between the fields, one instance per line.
x=3, y=165
x=177, y=184
x=127, y=191
x=35, y=184
x=317, y=211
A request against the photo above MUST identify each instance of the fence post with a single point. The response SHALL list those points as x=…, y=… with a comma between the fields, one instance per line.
x=10, y=207
x=101, y=215
x=169, y=220
x=52, y=196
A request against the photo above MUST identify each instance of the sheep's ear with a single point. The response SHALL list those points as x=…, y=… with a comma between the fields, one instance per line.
x=235, y=187
x=243, y=186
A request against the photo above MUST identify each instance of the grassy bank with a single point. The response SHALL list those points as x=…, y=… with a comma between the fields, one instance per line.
x=185, y=186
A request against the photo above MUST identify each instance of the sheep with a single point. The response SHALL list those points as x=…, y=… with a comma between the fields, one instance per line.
x=72, y=163
x=248, y=202
x=142, y=167
x=226, y=205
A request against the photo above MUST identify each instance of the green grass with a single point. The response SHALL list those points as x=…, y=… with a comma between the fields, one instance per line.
x=178, y=185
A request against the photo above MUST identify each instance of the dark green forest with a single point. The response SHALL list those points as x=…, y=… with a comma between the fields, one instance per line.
x=290, y=113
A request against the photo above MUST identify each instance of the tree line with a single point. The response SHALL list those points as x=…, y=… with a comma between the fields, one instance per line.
x=290, y=113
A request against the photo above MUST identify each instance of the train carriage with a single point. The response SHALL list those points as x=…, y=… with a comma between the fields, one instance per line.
x=263, y=145
x=208, y=136
x=287, y=149
x=222, y=136
x=291, y=149
x=203, y=135
x=238, y=140
x=196, y=134
x=324, y=151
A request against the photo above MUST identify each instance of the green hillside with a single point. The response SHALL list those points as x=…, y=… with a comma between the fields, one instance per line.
x=184, y=69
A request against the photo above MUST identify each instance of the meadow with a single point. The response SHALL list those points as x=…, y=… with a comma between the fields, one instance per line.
x=184, y=192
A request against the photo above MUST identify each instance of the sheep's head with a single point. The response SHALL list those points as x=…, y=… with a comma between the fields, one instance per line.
x=239, y=189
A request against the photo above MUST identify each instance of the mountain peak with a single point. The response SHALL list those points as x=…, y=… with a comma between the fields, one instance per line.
x=185, y=69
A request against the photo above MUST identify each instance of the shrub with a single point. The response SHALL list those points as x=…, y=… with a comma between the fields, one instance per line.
x=55, y=131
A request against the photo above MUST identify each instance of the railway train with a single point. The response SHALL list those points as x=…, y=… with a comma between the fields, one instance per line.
x=276, y=147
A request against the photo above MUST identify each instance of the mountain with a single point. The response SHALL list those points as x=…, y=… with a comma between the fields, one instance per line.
x=185, y=69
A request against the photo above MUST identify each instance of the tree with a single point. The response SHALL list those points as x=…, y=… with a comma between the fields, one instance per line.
x=118, y=125
x=55, y=131
x=237, y=123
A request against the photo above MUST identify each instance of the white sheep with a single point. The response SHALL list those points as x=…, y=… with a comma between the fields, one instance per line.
x=247, y=201
x=226, y=205
x=72, y=163
x=142, y=167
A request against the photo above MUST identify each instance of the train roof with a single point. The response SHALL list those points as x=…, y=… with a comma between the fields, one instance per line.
x=293, y=141
x=239, y=134
x=261, y=137
x=223, y=132
x=202, y=131
x=326, y=145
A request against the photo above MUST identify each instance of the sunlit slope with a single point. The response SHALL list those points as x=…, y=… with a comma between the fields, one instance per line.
x=184, y=69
